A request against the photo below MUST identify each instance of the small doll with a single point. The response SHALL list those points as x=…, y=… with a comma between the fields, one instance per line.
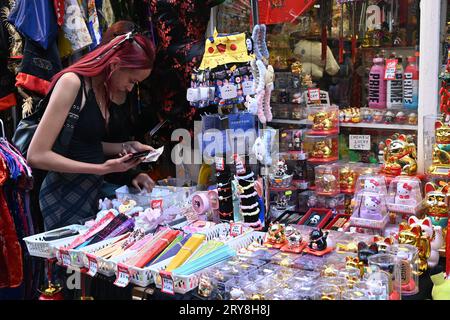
x=318, y=240
x=371, y=207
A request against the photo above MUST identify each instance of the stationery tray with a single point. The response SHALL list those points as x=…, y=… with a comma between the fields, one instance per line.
x=185, y=283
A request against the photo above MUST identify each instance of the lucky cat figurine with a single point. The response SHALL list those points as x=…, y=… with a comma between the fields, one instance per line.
x=415, y=237
x=434, y=233
x=371, y=207
x=318, y=240
x=436, y=203
x=365, y=251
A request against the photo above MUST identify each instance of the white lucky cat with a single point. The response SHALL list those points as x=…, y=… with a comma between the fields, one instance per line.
x=434, y=233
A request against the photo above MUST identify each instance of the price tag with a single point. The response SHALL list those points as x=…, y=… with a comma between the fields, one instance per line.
x=93, y=265
x=247, y=88
x=167, y=282
x=220, y=163
x=193, y=94
x=65, y=257
x=228, y=91
x=359, y=142
x=123, y=276
x=236, y=229
x=391, y=66
x=240, y=169
x=314, y=95
x=156, y=204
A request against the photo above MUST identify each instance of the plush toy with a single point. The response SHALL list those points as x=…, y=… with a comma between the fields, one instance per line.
x=309, y=53
x=251, y=104
x=441, y=286
x=434, y=233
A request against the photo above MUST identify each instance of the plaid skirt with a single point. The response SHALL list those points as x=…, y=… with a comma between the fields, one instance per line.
x=67, y=198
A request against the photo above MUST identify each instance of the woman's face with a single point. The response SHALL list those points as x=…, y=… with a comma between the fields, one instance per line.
x=124, y=79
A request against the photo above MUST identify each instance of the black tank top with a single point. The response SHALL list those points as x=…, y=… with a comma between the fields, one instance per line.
x=86, y=143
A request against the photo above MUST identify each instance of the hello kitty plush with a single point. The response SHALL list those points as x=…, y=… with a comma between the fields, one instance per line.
x=432, y=232
x=371, y=207
x=404, y=194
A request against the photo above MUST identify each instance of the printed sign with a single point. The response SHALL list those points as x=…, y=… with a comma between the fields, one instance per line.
x=167, y=283
x=228, y=91
x=123, y=276
x=314, y=95
x=359, y=142
x=65, y=257
x=93, y=265
x=236, y=229
x=391, y=66
x=247, y=88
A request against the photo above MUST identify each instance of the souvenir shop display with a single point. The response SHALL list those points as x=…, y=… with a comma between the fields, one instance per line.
x=325, y=120
x=400, y=155
x=316, y=217
x=409, y=267
x=321, y=149
x=348, y=175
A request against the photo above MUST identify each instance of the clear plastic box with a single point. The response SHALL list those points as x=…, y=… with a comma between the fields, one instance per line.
x=144, y=199
x=321, y=149
x=327, y=180
x=408, y=256
x=371, y=183
x=176, y=185
x=405, y=195
x=370, y=211
x=348, y=175
x=325, y=120
x=389, y=265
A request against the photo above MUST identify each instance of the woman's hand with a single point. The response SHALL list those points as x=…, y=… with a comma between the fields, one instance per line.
x=121, y=164
x=143, y=180
x=134, y=146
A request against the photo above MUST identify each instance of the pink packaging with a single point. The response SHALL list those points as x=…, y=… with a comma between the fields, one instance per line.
x=377, y=85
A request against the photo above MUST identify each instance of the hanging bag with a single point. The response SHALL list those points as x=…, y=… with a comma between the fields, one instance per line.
x=27, y=126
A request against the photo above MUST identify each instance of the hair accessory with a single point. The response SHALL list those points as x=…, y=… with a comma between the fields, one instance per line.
x=226, y=214
x=250, y=207
x=223, y=184
x=248, y=195
x=224, y=189
x=251, y=174
x=213, y=199
x=251, y=213
x=224, y=198
x=241, y=188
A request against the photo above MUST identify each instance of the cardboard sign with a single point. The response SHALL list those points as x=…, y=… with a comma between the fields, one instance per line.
x=314, y=95
x=391, y=66
x=359, y=142
x=247, y=88
x=228, y=91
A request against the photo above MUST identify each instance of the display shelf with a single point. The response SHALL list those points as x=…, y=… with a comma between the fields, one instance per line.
x=289, y=121
x=379, y=126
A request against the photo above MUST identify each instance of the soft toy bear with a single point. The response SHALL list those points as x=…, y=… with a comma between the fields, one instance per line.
x=310, y=55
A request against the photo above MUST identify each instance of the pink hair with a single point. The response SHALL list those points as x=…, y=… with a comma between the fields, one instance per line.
x=136, y=53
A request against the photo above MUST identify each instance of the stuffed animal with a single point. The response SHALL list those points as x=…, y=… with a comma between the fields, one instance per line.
x=441, y=286
x=434, y=233
x=310, y=55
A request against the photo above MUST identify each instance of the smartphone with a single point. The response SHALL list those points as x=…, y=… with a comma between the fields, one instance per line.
x=141, y=154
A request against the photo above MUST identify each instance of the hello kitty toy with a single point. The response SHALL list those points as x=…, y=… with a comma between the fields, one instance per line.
x=434, y=233
x=405, y=195
x=371, y=183
x=371, y=207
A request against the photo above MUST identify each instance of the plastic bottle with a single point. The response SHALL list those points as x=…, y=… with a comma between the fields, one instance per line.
x=394, y=91
x=411, y=84
x=377, y=85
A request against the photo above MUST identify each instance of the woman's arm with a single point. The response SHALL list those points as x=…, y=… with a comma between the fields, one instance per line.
x=40, y=154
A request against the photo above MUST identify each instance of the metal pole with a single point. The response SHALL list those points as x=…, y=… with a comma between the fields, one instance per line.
x=255, y=12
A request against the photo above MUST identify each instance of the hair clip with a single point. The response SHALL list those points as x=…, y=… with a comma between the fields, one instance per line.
x=250, y=207
x=224, y=198
x=248, y=195
x=241, y=188
x=251, y=213
x=251, y=174
x=223, y=184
